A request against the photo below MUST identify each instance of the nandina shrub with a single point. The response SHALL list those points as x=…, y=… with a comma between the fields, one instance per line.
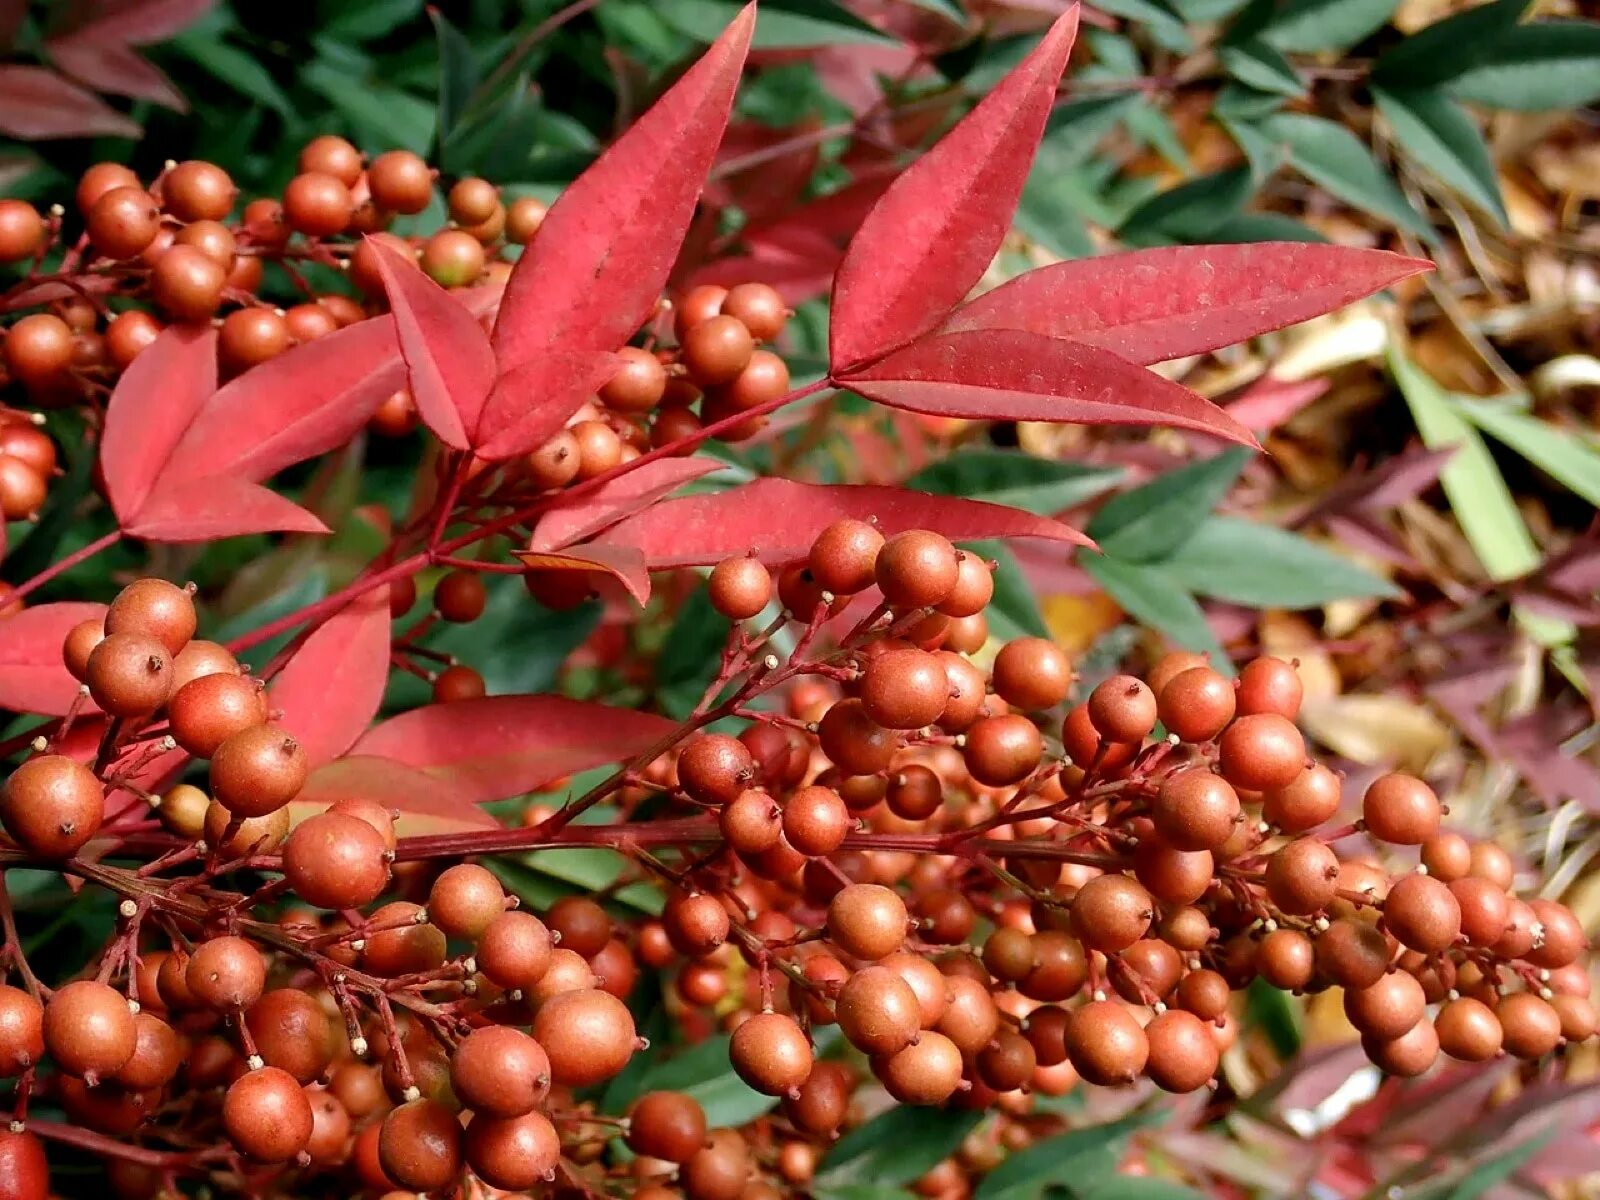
x=892, y=860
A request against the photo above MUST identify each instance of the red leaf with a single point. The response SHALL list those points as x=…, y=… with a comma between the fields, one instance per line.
x=572, y=521
x=936, y=229
x=1269, y=402
x=202, y=510
x=427, y=805
x=622, y=563
x=448, y=359
x=33, y=679
x=36, y=103
x=1008, y=375
x=778, y=519
x=116, y=68
x=532, y=401
x=596, y=270
x=298, y=405
x=153, y=404
x=43, y=293
x=332, y=687
x=500, y=746
x=141, y=22
x=1149, y=306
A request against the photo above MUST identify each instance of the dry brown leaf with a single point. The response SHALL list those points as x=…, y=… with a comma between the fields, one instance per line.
x=1380, y=730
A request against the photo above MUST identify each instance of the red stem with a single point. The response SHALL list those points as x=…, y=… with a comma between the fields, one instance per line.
x=82, y=554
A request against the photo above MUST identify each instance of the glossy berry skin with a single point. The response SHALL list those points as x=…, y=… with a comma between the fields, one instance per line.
x=740, y=588
x=129, y=674
x=666, y=1125
x=186, y=283
x=24, y=1172
x=1401, y=809
x=21, y=230
x=21, y=1031
x=916, y=569
x=1262, y=751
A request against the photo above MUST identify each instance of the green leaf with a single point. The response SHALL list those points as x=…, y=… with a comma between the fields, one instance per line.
x=703, y=1072
x=1446, y=48
x=1014, y=611
x=1206, y=10
x=1438, y=134
x=1260, y=66
x=945, y=8
x=690, y=656
x=1132, y=1187
x=379, y=115
x=1155, y=129
x=368, y=20
x=1190, y=211
x=1334, y=159
x=591, y=869
x=1080, y=1160
x=1479, y=496
x=780, y=23
x=895, y=1147
x=1042, y=486
x=1153, y=599
x=1308, y=26
x=1159, y=22
x=1149, y=522
x=458, y=73
x=1235, y=103
x=1264, y=227
x=1272, y=1012
x=1533, y=68
x=234, y=68
x=1565, y=456
x=1244, y=562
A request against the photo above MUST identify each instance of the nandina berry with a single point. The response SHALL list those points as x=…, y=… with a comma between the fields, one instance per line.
x=198, y=191
x=460, y=596
x=1302, y=876
x=24, y=1172
x=1352, y=953
x=853, y=741
x=23, y=490
x=914, y=793
x=123, y=221
x=1032, y=673
x=465, y=900
x=1401, y=809
x=583, y=926
x=759, y=307
x=370, y=811
x=29, y=444
x=1286, y=959
x=667, y=1125
x=916, y=569
x=211, y=238
x=588, y=1034
x=21, y=230
x=816, y=820
x=1122, y=709
x=1261, y=752
x=128, y=334
x=639, y=383
x=841, y=558
x=1448, y=856
x=500, y=1071
x=21, y=1031
x=129, y=674
x=740, y=588
x=1085, y=748
x=765, y=378
x=336, y=861
x=420, y=1146
x=1172, y=876
x=1485, y=910
x=317, y=204
x=524, y=216
x=1531, y=1026
x=1468, y=1030
x=205, y=712
x=257, y=770
x=1491, y=862
x=696, y=923
x=1002, y=750
x=293, y=1032
x=752, y=822
x=717, y=349
x=513, y=1153
x=89, y=1029
x=186, y=283
x=697, y=306
x=771, y=1053
x=157, y=1055
x=867, y=921
x=1423, y=913
x=877, y=1011
x=226, y=973
x=599, y=448
x=452, y=258
x=400, y=941
x=1560, y=938
x=1106, y=1043
x=38, y=349
x=1307, y=801
x=400, y=181
x=1270, y=685
x=927, y=1072
x=904, y=689
x=472, y=200
x=1388, y=1008
x=1111, y=913
x=1196, y=704
x=514, y=949
x=250, y=336
x=52, y=805
x=1195, y=810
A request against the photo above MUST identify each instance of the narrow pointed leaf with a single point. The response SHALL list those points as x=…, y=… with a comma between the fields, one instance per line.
x=1439, y=135
x=448, y=360
x=501, y=746
x=1536, y=67
x=116, y=68
x=218, y=506
x=1011, y=375
x=574, y=520
x=603, y=255
x=1559, y=453
x=426, y=804
x=1245, y=562
x=1148, y=306
x=298, y=405
x=1334, y=159
x=778, y=519
x=532, y=401
x=623, y=563
x=332, y=687
x=33, y=678
x=1152, y=520
x=151, y=408
x=1149, y=596
x=36, y=103
x=931, y=236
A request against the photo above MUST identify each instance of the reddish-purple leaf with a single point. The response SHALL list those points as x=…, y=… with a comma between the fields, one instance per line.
x=1269, y=402
x=448, y=358
x=44, y=293
x=622, y=563
x=427, y=804
x=778, y=519
x=332, y=687
x=605, y=251
x=532, y=401
x=936, y=229
x=571, y=521
x=298, y=405
x=500, y=746
x=33, y=679
x=114, y=67
x=1149, y=306
x=203, y=510
x=141, y=22
x=151, y=408
x=1009, y=375
x=36, y=103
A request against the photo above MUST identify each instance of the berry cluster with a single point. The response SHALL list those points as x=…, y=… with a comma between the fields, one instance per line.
x=993, y=884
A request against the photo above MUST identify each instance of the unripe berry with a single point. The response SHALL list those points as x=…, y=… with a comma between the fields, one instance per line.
x=452, y=258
